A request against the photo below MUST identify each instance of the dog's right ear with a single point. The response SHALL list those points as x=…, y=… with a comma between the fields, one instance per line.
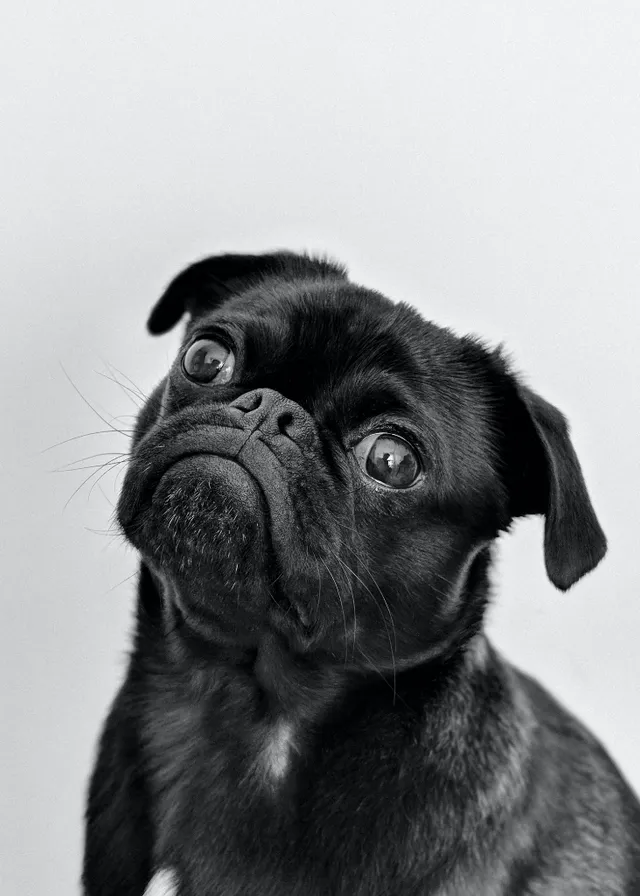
x=208, y=283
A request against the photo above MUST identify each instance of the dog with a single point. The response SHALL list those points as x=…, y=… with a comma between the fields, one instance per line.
x=311, y=707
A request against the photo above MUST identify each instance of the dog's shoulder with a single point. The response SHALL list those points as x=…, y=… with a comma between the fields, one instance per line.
x=584, y=816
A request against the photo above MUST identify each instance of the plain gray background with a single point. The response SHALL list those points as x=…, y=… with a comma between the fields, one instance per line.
x=480, y=160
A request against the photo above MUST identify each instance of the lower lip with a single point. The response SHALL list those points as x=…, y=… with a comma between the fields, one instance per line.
x=188, y=458
x=199, y=464
x=233, y=478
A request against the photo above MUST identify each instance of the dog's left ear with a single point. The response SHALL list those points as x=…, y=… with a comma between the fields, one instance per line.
x=209, y=282
x=546, y=478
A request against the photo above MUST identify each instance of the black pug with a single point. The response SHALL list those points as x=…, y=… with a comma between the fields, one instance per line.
x=311, y=707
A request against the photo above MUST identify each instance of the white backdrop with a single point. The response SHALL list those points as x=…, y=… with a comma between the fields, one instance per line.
x=479, y=159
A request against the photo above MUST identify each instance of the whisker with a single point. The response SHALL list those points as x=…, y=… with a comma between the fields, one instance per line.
x=97, y=432
x=385, y=602
x=319, y=590
x=138, y=390
x=388, y=608
x=113, y=522
x=393, y=688
x=128, y=391
x=353, y=600
x=344, y=615
x=73, y=464
x=105, y=533
x=89, y=405
x=114, y=462
x=75, y=492
x=128, y=579
x=108, y=465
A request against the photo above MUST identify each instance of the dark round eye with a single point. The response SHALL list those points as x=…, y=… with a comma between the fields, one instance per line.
x=207, y=360
x=388, y=459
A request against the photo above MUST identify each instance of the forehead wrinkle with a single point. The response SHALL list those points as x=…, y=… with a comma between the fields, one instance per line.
x=367, y=392
x=315, y=316
x=388, y=353
x=328, y=345
x=339, y=363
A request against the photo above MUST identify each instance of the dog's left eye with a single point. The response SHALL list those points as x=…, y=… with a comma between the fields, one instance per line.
x=388, y=459
x=207, y=360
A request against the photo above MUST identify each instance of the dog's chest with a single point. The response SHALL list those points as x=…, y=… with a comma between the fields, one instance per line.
x=224, y=776
x=209, y=752
x=240, y=803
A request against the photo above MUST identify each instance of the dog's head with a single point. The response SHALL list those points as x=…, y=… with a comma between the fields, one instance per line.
x=322, y=463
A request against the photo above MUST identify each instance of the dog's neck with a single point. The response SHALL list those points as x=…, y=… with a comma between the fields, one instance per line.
x=239, y=744
x=273, y=706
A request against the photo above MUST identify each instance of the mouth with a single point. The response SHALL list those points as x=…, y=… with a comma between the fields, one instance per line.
x=240, y=468
x=235, y=520
x=189, y=507
x=192, y=464
x=192, y=471
x=197, y=482
x=225, y=530
x=191, y=453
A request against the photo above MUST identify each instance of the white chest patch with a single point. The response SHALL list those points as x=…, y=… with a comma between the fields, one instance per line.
x=276, y=752
x=163, y=883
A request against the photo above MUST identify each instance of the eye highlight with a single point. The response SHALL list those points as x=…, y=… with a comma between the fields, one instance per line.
x=388, y=459
x=208, y=361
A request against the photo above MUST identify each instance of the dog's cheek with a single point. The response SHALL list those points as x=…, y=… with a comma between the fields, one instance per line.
x=310, y=521
x=150, y=413
x=416, y=573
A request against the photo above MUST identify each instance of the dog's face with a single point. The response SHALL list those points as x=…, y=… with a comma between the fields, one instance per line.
x=326, y=465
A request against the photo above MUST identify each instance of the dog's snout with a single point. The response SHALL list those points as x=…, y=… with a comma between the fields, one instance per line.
x=250, y=401
x=286, y=423
x=270, y=411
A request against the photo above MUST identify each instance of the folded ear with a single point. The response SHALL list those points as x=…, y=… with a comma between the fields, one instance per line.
x=207, y=283
x=547, y=479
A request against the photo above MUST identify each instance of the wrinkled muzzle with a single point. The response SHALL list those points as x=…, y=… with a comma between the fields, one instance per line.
x=239, y=505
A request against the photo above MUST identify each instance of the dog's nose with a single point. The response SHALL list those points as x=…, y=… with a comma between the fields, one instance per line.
x=254, y=400
x=273, y=413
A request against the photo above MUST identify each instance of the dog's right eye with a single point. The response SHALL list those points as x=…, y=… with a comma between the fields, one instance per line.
x=208, y=360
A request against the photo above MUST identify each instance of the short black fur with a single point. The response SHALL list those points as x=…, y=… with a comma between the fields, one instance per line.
x=311, y=706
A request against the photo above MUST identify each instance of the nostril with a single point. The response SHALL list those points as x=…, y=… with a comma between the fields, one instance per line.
x=248, y=402
x=285, y=422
